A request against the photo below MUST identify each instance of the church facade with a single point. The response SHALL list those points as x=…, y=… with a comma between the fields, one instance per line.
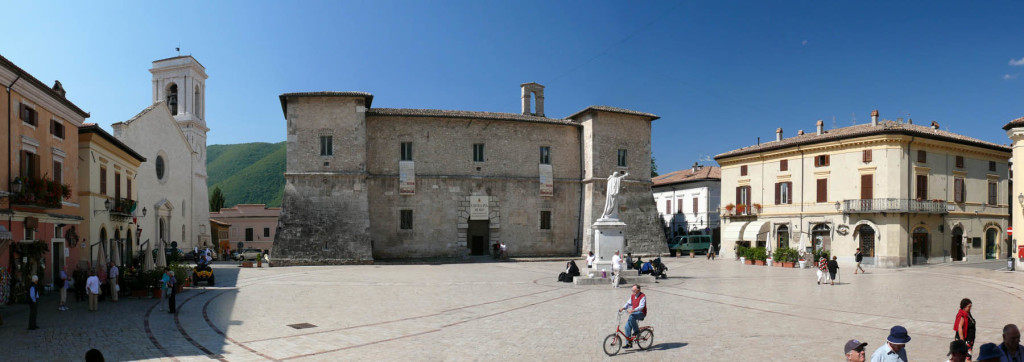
x=366, y=183
x=173, y=202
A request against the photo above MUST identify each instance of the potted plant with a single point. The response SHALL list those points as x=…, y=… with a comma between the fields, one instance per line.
x=756, y=208
x=741, y=253
x=728, y=208
x=779, y=256
x=750, y=256
x=759, y=255
x=740, y=208
x=791, y=256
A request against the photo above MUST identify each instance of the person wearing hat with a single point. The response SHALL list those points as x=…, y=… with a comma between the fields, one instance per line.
x=989, y=352
x=854, y=350
x=893, y=350
x=33, y=303
x=958, y=351
x=1011, y=350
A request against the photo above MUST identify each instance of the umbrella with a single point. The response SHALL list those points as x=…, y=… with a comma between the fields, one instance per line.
x=161, y=259
x=117, y=253
x=101, y=260
x=149, y=256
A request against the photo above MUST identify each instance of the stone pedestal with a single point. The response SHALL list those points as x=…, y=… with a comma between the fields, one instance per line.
x=609, y=236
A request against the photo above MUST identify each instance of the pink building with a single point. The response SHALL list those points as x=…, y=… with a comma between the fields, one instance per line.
x=253, y=225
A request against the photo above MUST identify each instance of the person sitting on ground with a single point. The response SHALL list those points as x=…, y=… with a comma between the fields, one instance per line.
x=638, y=263
x=1010, y=349
x=571, y=270
x=989, y=352
x=646, y=268
x=957, y=351
x=854, y=350
x=833, y=268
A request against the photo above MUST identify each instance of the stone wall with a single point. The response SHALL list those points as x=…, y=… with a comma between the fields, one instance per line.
x=324, y=220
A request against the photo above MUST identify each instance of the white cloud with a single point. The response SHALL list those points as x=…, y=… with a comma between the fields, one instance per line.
x=1011, y=62
x=1017, y=62
x=1010, y=76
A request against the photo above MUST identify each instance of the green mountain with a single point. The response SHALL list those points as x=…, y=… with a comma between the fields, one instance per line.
x=247, y=173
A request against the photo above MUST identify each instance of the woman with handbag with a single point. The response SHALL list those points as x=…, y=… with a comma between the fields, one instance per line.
x=964, y=325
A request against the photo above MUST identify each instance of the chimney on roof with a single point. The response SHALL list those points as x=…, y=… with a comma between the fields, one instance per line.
x=935, y=125
x=778, y=134
x=696, y=166
x=874, y=117
x=57, y=87
x=800, y=133
x=537, y=91
x=821, y=127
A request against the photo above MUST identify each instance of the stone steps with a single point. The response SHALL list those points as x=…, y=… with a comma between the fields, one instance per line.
x=628, y=277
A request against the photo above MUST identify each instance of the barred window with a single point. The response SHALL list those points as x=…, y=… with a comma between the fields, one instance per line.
x=406, y=219
x=545, y=220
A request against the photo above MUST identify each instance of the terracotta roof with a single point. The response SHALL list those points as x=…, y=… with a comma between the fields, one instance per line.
x=218, y=222
x=367, y=97
x=1014, y=123
x=406, y=112
x=93, y=128
x=864, y=130
x=29, y=78
x=615, y=110
x=688, y=175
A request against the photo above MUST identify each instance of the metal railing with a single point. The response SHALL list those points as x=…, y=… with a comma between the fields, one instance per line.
x=894, y=205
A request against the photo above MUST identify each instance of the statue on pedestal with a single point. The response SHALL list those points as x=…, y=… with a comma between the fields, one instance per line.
x=611, y=200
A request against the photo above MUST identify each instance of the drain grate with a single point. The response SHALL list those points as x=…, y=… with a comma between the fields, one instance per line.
x=302, y=325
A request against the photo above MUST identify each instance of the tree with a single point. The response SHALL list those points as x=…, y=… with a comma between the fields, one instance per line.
x=216, y=200
x=654, y=168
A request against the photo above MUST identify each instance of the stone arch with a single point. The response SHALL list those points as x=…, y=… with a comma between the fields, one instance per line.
x=172, y=98
x=993, y=240
x=868, y=223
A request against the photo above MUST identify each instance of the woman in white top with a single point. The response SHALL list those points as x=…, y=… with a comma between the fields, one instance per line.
x=616, y=268
x=590, y=260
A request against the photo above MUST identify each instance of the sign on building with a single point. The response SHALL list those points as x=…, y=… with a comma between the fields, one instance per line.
x=547, y=186
x=478, y=207
x=406, y=178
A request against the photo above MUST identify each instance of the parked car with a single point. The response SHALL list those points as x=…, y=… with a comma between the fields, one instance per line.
x=249, y=254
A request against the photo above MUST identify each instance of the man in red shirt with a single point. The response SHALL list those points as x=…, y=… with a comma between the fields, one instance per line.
x=637, y=308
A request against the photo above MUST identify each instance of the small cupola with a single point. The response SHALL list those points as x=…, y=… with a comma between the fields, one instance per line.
x=537, y=92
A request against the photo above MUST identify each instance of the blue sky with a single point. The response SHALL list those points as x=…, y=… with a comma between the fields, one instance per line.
x=719, y=73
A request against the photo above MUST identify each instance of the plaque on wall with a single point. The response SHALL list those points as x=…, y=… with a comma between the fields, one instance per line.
x=478, y=207
x=547, y=186
x=406, y=178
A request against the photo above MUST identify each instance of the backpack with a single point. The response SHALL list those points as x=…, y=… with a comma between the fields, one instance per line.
x=647, y=268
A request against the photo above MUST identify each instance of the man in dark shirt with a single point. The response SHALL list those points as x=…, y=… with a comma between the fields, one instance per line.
x=833, y=268
x=860, y=257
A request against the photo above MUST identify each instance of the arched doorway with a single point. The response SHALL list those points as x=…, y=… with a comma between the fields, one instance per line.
x=866, y=241
x=991, y=243
x=956, y=246
x=821, y=237
x=782, y=236
x=919, y=238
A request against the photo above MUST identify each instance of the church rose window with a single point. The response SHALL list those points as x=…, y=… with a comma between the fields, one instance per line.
x=160, y=167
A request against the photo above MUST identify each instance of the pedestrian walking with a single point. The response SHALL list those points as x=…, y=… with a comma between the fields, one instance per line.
x=164, y=280
x=964, y=324
x=64, y=284
x=711, y=251
x=859, y=257
x=822, y=266
x=894, y=349
x=112, y=281
x=33, y=303
x=833, y=269
x=171, y=286
x=616, y=268
x=92, y=287
x=854, y=350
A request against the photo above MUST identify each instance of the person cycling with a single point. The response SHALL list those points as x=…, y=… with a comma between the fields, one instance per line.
x=637, y=308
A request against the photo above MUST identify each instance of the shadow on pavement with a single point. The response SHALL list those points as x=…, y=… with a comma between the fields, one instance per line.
x=667, y=346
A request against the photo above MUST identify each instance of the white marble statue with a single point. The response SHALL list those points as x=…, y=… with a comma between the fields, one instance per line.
x=611, y=200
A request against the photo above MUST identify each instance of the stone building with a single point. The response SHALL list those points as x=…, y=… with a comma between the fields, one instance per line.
x=365, y=183
x=904, y=194
x=171, y=135
x=252, y=225
x=688, y=201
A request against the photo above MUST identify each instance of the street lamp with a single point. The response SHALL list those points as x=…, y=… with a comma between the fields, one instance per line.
x=143, y=211
x=106, y=205
x=16, y=185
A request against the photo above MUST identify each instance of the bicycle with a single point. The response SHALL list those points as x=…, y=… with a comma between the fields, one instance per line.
x=613, y=343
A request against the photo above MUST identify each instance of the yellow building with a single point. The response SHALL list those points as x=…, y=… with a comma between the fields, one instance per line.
x=904, y=194
x=109, y=195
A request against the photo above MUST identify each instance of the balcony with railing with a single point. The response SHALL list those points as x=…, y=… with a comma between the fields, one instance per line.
x=741, y=211
x=122, y=209
x=41, y=193
x=868, y=206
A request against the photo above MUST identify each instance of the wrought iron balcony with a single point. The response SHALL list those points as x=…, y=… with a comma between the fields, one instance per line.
x=894, y=205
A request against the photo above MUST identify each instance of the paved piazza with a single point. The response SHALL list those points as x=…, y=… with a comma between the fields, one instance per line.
x=718, y=311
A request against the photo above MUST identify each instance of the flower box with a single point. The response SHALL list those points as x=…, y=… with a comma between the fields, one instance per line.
x=759, y=262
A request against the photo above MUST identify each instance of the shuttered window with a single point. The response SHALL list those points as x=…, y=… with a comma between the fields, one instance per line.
x=822, y=190
x=58, y=171
x=695, y=205
x=545, y=220
x=783, y=193
x=103, y=181
x=992, y=166
x=784, y=165
x=743, y=170
x=958, y=190
x=668, y=206
x=29, y=165
x=57, y=128
x=922, y=156
x=129, y=182
x=959, y=161
x=28, y=115
x=992, y=193
x=867, y=187
x=821, y=161
x=866, y=156
x=117, y=185
x=922, y=187
x=679, y=204
x=743, y=196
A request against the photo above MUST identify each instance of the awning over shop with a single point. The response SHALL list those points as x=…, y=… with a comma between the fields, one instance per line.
x=5, y=235
x=732, y=233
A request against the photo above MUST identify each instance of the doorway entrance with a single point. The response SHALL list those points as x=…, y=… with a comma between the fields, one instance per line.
x=57, y=250
x=479, y=236
x=920, y=249
x=956, y=247
x=990, y=243
x=867, y=243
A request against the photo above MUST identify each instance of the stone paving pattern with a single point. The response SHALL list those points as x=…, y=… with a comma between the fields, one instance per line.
x=706, y=310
